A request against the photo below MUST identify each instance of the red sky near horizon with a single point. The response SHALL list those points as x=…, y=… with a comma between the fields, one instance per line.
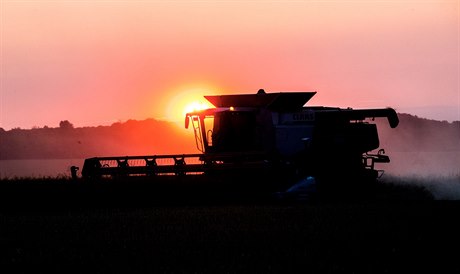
x=98, y=62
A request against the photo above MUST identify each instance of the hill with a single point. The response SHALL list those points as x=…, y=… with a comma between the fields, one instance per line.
x=129, y=138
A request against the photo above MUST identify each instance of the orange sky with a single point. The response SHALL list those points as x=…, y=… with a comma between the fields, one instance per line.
x=98, y=62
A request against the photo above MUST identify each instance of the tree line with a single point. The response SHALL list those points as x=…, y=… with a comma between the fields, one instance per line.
x=66, y=141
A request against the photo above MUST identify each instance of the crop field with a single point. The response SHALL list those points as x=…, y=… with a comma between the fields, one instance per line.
x=402, y=229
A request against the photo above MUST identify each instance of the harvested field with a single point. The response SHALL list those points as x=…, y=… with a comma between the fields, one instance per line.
x=363, y=236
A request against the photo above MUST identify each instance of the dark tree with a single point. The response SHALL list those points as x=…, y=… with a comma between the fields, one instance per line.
x=65, y=124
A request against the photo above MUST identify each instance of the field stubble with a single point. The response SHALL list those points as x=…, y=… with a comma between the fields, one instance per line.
x=362, y=236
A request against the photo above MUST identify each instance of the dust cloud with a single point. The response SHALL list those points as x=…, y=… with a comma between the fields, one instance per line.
x=423, y=152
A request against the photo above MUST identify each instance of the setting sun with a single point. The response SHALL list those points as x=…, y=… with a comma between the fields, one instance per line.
x=196, y=106
x=187, y=100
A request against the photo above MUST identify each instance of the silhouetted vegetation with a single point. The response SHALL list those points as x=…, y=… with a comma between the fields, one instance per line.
x=129, y=138
x=65, y=125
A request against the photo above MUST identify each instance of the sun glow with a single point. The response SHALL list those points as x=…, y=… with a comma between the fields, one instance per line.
x=187, y=100
x=196, y=106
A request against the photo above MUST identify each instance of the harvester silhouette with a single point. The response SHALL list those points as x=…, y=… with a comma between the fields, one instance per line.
x=271, y=134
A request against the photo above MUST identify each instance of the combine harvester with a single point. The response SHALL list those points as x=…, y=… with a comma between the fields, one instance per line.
x=266, y=137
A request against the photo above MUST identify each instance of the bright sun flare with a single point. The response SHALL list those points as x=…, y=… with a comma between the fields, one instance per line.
x=187, y=100
x=195, y=106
